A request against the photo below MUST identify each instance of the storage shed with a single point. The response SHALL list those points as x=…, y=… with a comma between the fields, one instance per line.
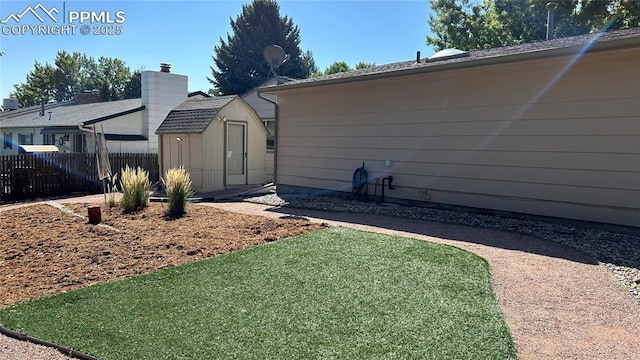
x=220, y=141
x=549, y=128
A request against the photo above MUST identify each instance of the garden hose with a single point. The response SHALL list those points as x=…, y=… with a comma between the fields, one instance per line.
x=359, y=183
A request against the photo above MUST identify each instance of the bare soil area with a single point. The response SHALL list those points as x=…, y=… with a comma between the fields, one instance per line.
x=46, y=251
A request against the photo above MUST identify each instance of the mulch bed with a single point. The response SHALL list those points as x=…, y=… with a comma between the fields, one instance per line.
x=45, y=250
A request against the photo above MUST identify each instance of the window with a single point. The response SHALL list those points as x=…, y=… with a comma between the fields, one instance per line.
x=25, y=139
x=79, y=143
x=8, y=143
x=270, y=125
x=49, y=139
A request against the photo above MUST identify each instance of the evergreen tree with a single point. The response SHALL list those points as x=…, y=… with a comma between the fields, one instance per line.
x=133, y=87
x=239, y=62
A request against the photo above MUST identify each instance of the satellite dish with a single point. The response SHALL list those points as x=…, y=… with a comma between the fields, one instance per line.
x=274, y=55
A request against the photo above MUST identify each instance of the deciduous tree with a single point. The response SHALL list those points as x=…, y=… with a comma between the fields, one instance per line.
x=337, y=67
x=475, y=24
x=342, y=66
x=77, y=72
x=364, y=65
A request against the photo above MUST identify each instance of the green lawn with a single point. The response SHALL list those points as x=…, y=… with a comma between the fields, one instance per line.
x=336, y=293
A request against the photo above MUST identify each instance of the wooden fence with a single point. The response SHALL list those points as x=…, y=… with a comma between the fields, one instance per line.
x=29, y=176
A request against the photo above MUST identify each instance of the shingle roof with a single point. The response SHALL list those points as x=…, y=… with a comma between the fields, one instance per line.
x=568, y=45
x=68, y=114
x=193, y=115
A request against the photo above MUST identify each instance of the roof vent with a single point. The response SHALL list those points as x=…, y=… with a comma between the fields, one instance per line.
x=447, y=54
x=165, y=67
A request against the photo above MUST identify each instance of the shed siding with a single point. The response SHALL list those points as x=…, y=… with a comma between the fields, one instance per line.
x=256, y=140
x=203, y=154
x=557, y=137
x=213, y=156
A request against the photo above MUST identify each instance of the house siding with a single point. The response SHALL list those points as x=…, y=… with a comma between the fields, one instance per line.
x=34, y=136
x=161, y=92
x=269, y=166
x=263, y=108
x=556, y=137
x=129, y=124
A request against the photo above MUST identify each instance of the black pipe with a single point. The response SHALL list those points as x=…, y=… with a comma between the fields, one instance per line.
x=550, y=19
x=389, y=181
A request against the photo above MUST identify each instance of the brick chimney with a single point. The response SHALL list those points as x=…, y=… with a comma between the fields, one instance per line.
x=86, y=98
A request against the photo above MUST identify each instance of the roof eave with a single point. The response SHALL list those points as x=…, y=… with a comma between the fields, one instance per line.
x=500, y=59
x=179, y=131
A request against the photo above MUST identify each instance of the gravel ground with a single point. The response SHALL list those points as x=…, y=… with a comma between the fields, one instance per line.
x=615, y=248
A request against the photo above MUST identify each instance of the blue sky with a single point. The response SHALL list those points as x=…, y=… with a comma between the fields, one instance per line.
x=184, y=33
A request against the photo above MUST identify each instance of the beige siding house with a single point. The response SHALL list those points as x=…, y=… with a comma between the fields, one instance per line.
x=220, y=141
x=549, y=128
x=129, y=125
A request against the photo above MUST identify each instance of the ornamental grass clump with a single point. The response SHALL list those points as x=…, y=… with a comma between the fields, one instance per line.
x=112, y=191
x=136, y=188
x=177, y=183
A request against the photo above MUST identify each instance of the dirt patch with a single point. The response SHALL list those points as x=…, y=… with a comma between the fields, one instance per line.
x=45, y=250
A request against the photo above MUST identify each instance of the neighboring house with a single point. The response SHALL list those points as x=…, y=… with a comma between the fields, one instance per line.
x=264, y=105
x=198, y=95
x=69, y=124
x=129, y=125
x=549, y=128
x=220, y=141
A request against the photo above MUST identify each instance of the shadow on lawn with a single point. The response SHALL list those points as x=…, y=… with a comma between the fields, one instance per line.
x=478, y=235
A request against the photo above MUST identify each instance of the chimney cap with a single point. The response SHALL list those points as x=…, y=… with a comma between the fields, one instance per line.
x=165, y=67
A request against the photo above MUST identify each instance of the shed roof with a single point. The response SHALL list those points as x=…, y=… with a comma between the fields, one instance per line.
x=575, y=45
x=193, y=115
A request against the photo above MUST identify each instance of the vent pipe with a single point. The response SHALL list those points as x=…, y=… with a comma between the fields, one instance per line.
x=550, y=19
x=418, y=57
x=42, y=107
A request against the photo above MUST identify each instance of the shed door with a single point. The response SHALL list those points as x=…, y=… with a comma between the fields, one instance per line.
x=236, y=153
